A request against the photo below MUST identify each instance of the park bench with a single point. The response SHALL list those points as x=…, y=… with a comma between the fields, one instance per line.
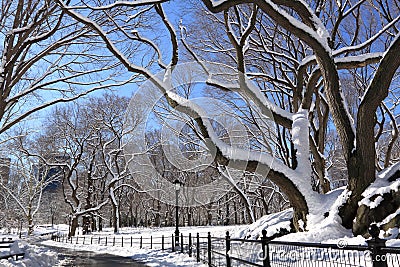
x=17, y=255
x=7, y=244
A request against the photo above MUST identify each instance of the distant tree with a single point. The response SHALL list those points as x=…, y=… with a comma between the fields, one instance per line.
x=29, y=177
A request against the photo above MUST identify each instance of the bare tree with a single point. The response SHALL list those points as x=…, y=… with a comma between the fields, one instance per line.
x=29, y=177
x=306, y=48
x=46, y=59
x=107, y=117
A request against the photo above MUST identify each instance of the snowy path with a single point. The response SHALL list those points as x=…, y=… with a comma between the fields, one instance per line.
x=78, y=258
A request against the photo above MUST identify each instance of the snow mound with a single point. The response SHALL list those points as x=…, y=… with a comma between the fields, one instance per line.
x=387, y=181
x=323, y=227
x=34, y=256
x=272, y=223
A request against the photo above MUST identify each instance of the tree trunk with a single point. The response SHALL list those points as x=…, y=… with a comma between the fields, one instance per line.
x=236, y=213
x=74, y=226
x=94, y=225
x=115, y=209
x=115, y=218
x=30, y=225
x=100, y=224
x=361, y=170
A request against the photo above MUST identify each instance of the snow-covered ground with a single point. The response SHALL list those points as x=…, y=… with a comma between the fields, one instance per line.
x=35, y=256
x=151, y=257
x=325, y=229
x=43, y=256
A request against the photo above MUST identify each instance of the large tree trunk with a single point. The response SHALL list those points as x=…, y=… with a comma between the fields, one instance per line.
x=361, y=162
x=359, y=179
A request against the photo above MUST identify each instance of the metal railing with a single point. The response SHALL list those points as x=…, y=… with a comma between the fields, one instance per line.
x=152, y=242
x=264, y=253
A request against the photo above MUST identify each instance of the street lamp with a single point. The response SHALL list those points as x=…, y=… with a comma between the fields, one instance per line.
x=178, y=185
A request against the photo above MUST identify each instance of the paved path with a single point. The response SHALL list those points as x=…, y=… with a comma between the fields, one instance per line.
x=77, y=258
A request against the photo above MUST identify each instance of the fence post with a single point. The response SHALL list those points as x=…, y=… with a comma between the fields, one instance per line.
x=106, y=241
x=151, y=242
x=209, y=248
x=190, y=245
x=265, y=249
x=173, y=246
x=83, y=240
x=227, y=249
x=99, y=241
x=114, y=241
x=141, y=242
x=375, y=245
x=91, y=240
x=162, y=242
x=122, y=241
x=181, y=243
x=198, y=247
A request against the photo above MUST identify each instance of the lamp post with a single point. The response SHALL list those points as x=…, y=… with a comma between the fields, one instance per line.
x=178, y=185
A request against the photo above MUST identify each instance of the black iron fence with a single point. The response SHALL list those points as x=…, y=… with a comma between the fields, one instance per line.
x=263, y=253
x=229, y=252
x=150, y=242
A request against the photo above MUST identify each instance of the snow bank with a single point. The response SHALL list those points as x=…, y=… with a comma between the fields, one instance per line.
x=322, y=227
x=272, y=223
x=34, y=256
x=382, y=185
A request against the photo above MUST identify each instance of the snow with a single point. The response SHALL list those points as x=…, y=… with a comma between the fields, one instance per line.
x=272, y=223
x=381, y=186
x=301, y=143
x=34, y=256
x=320, y=228
x=359, y=58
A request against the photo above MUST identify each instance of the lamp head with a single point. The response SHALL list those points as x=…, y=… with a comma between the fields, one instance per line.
x=177, y=184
